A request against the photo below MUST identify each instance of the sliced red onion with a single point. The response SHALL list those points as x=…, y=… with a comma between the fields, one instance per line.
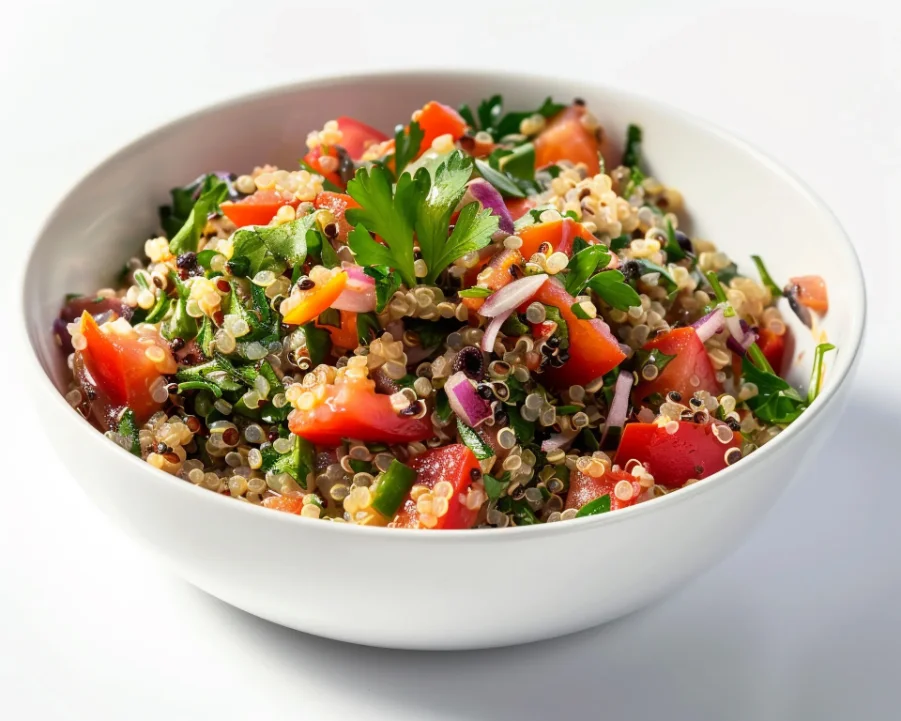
x=358, y=295
x=558, y=440
x=710, y=324
x=741, y=347
x=465, y=401
x=488, y=196
x=619, y=407
x=513, y=295
x=491, y=331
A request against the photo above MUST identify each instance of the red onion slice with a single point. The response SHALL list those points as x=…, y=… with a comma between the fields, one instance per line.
x=465, y=401
x=710, y=324
x=491, y=331
x=358, y=295
x=558, y=440
x=488, y=196
x=619, y=407
x=513, y=295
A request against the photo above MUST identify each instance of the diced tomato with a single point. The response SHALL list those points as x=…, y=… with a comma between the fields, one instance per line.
x=584, y=488
x=559, y=234
x=773, y=347
x=286, y=503
x=338, y=203
x=495, y=275
x=518, y=207
x=593, y=351
x=358, y=136
x=314, y=160
x=344, y=336
x=257, y=209
x=352, y=409
x=693, y=451
x=438, y=119
x=120, y=369
x=543, y=330
x=811, y=292
x=455, y=464
x=691, y=361
x=566, y=138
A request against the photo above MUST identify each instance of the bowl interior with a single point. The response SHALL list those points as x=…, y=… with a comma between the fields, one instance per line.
x=735, y=196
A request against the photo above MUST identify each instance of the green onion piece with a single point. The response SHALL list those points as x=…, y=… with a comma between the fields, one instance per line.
x=766, y=277
x=816, y=376
x=595, y=507
x=474, y=441
x=393, y=488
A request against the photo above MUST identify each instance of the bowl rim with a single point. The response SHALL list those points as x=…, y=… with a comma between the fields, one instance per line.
x=842, y=367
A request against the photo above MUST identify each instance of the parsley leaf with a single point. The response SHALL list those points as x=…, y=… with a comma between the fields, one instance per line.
x=473, y=441
x=504, y=182
x=582, y=265
x=367, y=327
x=495, y=487
x=632, y=154
x=620, y=242
x=319, y=342
x=612, y=287
x=673, y=249
x=524, y=430
x=389, y=215
x=552, y=313
x=387, y=283
x=406, y=145
x=180, y=325
x=492, y=120
x=472, y=231
x=298, y=463
x=188, y=236
x=442, y=405
x=666, y=280
x=653, y=357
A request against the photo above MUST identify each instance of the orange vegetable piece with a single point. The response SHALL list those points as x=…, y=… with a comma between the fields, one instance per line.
x=438, y=119
x=288, y=504
x=566, y=138
x=559, y=234
x=811, y=292
x=314, y=301
x=344, y=336
x=338, y=203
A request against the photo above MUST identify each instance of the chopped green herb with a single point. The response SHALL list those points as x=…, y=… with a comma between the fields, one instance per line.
x=595, y=507
x=327, y=252
x=524, y=430
x=387, y=283
x=473, y=441
x=368, y=327
x=582, y=265
x=406, y=146
x=299, y=463
x=393, y=488
x=180, y=325
x=128, y=429
x=200, y=386
x=475, y=292
x=666, y=279
x=159, y=310
x=653, y=357
x=611, y=286
x=579, y=311
x=673, y=250
x=590, y=440
x=495, y=487
x=766, y=277
x=505, y=183
x=632, y=154
x=186, y=239
x=319, y=343
x=776, y=401
x=442, y=405
x=523, y=515
x=552, y=313
x=620, y=242
x=568, y=410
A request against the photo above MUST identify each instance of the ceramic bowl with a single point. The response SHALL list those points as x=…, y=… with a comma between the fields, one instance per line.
x=450, y=589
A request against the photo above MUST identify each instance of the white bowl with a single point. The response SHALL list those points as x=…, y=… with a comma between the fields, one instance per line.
x=450, y=589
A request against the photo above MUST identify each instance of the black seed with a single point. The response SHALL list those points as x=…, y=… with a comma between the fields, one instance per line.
x=331, y=230
x=547, y=349
x=630, y=269
x=675, y=396
x=516, y=271
x=484, y=390
x=579, y=101
x=733, y=424
x=500, y=415
x=272, y=436
x=553, y=341
x=684, y=242
x=695, y=402
x=556, y=361
x=699, y=470
x=161, y=448
x=176, y=344
x=306, y=284
x=475, y=474
x=700, y=417
x=563, y=356
x=187, y=261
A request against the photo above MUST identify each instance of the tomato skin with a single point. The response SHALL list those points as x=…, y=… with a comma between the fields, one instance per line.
x=313, y=158
x=352, y=409
x=691, y=359
x=358, y=136
x=693, y=451
x=811, y=292
x=338, y=203
x=344, y=336
x=565, y=138
x=593, y=351
x=518, y=207
x=120, y=370
x=497, y=275
x=455, y=464
x=773, y=347
x=257, y=209
x=287, y=503
x=438, y=119
x=560, y=234
x=584, y=488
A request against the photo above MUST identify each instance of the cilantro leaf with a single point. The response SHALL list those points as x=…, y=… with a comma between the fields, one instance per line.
x=654, y=357
x=490, y=111
x=188, y=236
x=389, y=215
x=406, y=145
x=667, y=280
x=173, y=217
x=581, y=266
x=612, y=287
x=387, y=283
x=620, y=242
x=327, y=252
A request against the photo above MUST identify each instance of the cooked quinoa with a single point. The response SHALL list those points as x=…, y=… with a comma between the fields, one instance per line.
x=490, y=319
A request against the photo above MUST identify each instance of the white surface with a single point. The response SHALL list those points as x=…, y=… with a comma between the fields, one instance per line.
x=412, y=579
x=802, y=622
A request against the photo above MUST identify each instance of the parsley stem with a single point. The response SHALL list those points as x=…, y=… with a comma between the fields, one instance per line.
x=759, y=359
x=816, y=376
x=766, y=277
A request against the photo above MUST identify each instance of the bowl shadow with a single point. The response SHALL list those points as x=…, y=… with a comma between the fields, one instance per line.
x=784, y=628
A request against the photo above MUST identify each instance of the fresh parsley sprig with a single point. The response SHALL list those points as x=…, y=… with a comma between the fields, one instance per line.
x=214, y=191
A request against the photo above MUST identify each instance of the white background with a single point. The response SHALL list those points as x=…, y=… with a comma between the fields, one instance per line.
x=803, y=622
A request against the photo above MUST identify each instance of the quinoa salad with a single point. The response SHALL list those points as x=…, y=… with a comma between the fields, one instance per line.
x=490, y=319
